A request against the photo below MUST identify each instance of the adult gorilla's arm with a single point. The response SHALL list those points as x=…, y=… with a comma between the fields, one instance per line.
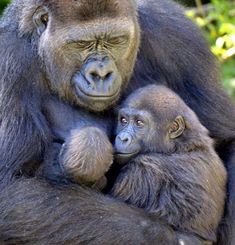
x=35, y=212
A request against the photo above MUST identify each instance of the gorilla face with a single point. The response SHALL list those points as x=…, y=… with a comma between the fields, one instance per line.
x=154, y=119
x=88, y=54
x=132, y=133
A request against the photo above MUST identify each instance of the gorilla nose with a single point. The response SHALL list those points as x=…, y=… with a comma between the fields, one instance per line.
x=99, y=79
x=124, y=139
x=100, y=73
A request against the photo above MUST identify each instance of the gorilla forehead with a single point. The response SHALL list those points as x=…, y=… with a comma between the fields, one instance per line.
x=96, y=8
x=76, y=11
x=164, y=105
x=84, y=10
x=158, y=100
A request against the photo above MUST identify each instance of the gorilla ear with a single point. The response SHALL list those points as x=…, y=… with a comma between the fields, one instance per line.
x=40, y=19
x=177, y=127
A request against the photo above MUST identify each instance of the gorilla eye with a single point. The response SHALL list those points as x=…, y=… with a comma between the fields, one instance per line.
x=123, y=121
x=117, y=40
x=139, y=123
x=84, y=44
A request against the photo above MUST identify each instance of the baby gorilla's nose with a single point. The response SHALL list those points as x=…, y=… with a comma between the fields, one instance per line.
x=124, y=139
x=126, y=147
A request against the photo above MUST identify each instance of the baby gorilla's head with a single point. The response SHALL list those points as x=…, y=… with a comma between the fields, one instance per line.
x=155, y=119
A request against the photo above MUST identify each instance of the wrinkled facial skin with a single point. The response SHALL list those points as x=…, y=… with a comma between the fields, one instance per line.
x=135, y=133
x=88, y=53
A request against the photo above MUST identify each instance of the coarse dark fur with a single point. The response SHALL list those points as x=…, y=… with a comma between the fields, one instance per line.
x=177, y=174
x=83, y=152
x=172, y=52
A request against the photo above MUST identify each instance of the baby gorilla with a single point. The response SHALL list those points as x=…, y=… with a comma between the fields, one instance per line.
x=172, y=170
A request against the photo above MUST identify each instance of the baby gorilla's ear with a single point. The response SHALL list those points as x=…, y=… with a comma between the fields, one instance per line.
x=177, y=127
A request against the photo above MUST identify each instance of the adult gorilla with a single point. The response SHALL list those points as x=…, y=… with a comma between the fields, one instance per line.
x=83, y=52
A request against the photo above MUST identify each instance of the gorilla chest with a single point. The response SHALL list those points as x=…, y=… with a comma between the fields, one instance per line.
x=63, y=118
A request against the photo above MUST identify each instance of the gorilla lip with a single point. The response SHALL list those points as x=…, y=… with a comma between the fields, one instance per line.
x=121, y=154
x=123, y=158
x=99, y=97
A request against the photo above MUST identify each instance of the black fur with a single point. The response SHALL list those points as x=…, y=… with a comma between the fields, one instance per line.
x=33, y=212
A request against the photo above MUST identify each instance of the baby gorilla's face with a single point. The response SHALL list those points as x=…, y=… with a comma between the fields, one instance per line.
x=133, y=131
x=142, y=131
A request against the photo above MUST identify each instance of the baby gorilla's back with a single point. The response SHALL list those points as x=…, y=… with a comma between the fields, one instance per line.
x=176, y=175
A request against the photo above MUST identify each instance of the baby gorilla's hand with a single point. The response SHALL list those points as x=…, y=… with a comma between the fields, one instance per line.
x=86, y=155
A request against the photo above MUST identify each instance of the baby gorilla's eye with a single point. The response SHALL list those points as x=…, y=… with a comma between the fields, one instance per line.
x=123, y=121
x=139, y=123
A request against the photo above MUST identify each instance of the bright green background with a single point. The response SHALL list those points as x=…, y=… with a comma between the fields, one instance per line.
x=3, y=3
x=217, y=21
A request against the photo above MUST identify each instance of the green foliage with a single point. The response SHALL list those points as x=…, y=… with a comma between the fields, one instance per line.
x=218, y=23
x=3, y=4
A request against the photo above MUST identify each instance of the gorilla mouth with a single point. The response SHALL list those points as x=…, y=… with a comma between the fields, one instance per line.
x=126, y=155
x=123, y=157
x=100, y=96
x=96, y=101
x=97, y=91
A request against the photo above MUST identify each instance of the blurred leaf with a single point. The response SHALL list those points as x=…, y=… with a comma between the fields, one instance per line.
x=3, y=4
x=218, y=26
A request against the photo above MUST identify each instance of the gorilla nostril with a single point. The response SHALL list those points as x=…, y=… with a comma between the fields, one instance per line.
x=94, y=76
x=125, y=140
x=108, y=76
x=97, y=77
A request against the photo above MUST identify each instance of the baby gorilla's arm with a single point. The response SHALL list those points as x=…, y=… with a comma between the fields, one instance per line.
x=182, y=189
x=84, y=158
